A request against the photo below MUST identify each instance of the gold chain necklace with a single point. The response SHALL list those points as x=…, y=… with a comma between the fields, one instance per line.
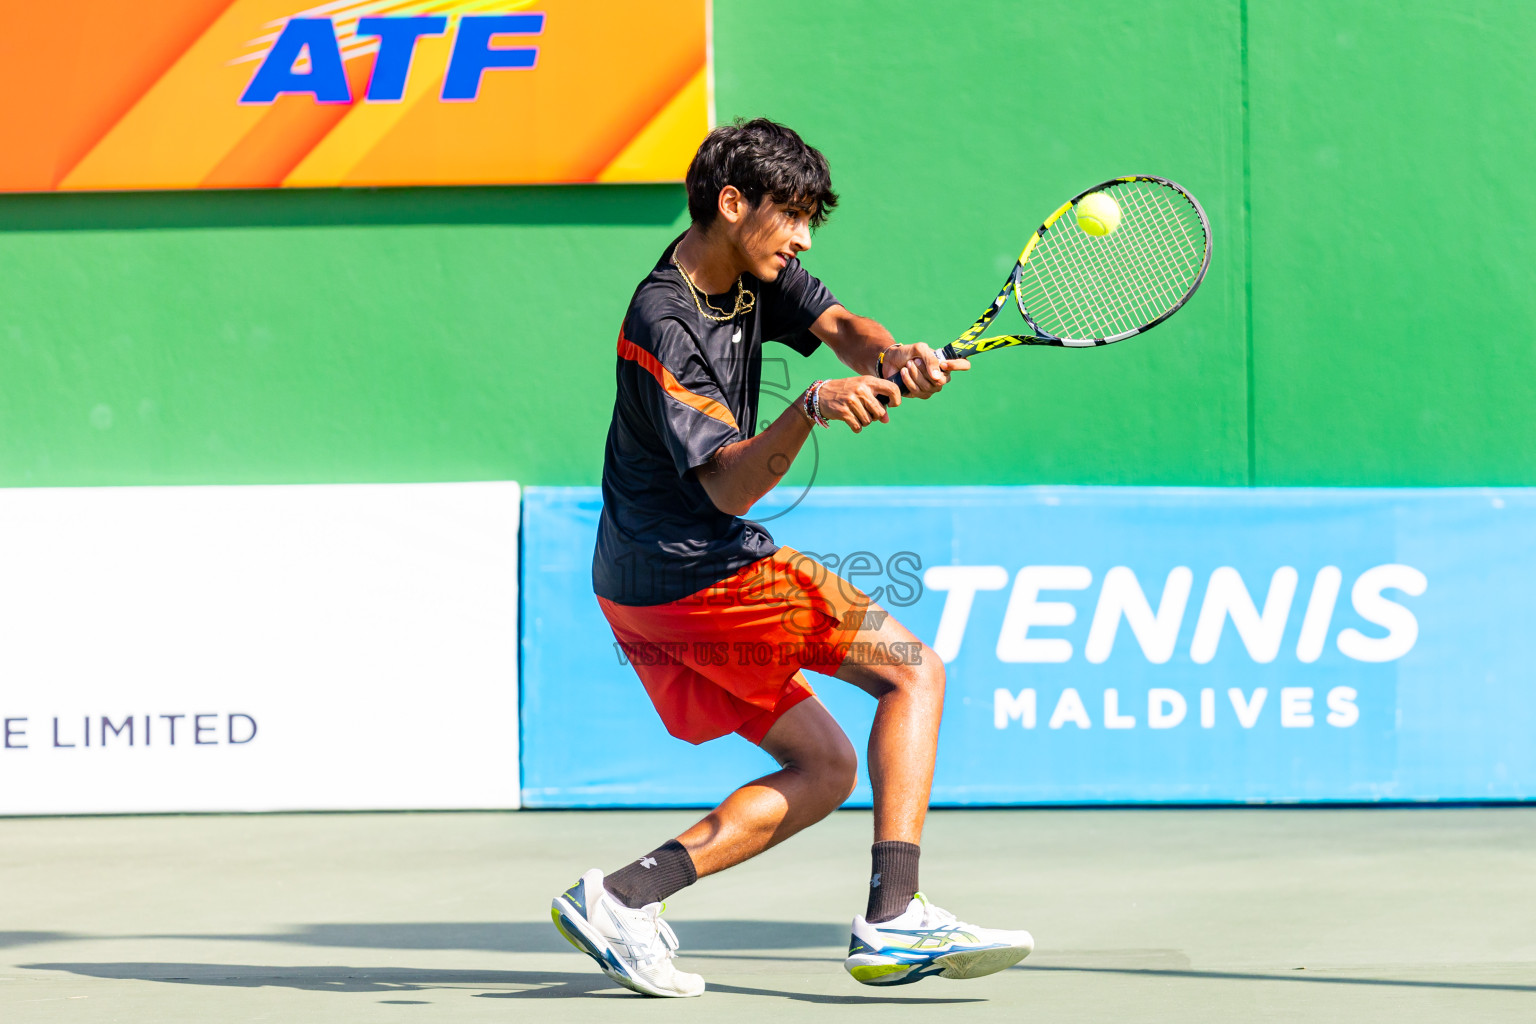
x=745, y=300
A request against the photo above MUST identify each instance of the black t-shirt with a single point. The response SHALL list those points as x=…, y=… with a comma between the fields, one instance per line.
x=687, y=386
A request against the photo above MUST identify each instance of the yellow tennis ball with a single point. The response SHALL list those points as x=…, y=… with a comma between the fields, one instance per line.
x=1098, y=214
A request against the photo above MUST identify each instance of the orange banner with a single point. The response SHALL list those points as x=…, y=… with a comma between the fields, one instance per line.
x=176, y=94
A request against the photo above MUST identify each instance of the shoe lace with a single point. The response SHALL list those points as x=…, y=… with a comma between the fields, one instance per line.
x=641, y=936
x=937, y=917
x=668, y=936
x=664, y=930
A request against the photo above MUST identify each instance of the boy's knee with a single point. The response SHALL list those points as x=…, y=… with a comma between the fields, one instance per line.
x=933, y=667
x=924, y=674
x=846, y=773
x=839, y=773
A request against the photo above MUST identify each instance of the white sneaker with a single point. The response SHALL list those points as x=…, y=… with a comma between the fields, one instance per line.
x=927, y=940
x=633, y=947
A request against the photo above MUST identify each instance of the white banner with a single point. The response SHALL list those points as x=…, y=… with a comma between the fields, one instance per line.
x=330, y=647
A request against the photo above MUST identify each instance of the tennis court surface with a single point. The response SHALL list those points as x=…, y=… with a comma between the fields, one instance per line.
x=1147, y=915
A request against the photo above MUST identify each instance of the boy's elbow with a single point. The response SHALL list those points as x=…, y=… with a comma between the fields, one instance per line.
x=719, y=497
x=737, y=509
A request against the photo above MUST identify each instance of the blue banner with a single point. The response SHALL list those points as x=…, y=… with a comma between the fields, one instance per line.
x=1149, y=645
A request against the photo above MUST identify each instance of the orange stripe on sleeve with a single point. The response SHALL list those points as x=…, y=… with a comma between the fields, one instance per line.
x=650, y=364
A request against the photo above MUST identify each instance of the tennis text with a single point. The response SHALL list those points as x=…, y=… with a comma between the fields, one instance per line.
x=1029, y=618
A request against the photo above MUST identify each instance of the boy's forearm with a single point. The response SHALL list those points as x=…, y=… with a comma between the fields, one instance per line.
x=866, y=339
x=742, y=472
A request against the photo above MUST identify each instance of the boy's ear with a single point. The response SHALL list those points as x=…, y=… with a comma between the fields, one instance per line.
x=733, y=205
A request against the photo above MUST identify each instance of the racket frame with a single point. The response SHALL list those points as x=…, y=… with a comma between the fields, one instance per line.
x=970, y=343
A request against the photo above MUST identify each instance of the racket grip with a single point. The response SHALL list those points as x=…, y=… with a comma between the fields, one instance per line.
x=947, y=352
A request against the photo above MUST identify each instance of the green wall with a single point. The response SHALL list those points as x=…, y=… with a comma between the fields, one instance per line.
x=1394, y=300
x=1379, y=330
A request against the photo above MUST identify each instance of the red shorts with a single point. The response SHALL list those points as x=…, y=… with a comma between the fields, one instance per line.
x=729, y=658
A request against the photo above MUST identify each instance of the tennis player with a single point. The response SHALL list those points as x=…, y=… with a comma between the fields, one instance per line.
x=689, y=585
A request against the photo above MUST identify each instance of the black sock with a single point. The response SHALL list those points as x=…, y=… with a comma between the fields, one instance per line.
x=653, y=877
x=892, y=880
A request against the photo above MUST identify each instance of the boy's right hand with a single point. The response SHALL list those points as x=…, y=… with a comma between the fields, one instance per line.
x=856, y=400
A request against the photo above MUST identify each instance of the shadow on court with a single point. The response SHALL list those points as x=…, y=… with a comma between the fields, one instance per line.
x=538, y=936
x=715, y=940
x=10, y=939
x=1312, y=978
x=536, y=984
x=573, y=984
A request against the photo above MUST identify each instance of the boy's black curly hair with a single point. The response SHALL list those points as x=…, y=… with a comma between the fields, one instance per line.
x=763, y=159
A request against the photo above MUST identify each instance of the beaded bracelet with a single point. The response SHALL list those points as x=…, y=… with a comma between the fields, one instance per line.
x=813, y=404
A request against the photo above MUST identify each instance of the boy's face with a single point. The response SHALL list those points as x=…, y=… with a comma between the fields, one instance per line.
x=771, y=234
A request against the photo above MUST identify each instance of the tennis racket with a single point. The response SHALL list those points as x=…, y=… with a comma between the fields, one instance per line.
x=1076, y=289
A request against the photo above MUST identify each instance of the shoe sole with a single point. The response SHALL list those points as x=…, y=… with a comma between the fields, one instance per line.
x=570, y=923
x=982, y=962
x=959, y=965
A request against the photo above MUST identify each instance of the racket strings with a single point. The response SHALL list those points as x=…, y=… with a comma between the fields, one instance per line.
x=1115, y=265
x=1120, y=279
x=1167, y=259
x=1103, y=288
x=1132, y=250
x=1061, y=284
x=1079, y=286
x=1161, y=249
x=1078, y=299
x=1170, y=266
x=1040, y=296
